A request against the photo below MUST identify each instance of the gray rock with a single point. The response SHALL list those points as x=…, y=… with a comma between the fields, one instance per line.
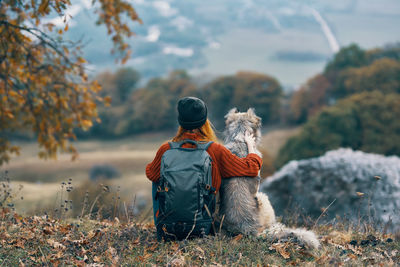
x=313, y=184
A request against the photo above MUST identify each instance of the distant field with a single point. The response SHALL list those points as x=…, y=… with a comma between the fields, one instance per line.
x=274, y=140
x=41, y=180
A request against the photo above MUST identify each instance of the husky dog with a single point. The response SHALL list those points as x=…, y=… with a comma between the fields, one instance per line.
x=245, y=210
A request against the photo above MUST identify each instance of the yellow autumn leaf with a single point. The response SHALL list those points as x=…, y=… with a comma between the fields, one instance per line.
x=9, y=114
x=81, y=60
x=43, y=6
x=86, y=123
x=12, y=93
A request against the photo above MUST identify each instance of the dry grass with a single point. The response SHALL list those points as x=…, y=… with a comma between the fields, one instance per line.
x=41, y=179
x=44, y=241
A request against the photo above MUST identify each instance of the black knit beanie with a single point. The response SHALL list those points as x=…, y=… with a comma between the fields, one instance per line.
x=192, y=112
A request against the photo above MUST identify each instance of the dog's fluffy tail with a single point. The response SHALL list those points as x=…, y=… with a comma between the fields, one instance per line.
x=280, y=231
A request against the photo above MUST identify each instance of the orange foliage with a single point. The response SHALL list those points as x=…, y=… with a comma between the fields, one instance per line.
x=44, y=87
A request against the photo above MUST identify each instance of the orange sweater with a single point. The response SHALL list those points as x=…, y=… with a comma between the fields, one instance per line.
x=224, y=163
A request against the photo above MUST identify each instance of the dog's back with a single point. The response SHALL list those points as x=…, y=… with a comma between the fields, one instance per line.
x=239, y=204
x=246, y=210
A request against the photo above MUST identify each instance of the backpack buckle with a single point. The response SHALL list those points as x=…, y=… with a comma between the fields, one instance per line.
x=210, y=188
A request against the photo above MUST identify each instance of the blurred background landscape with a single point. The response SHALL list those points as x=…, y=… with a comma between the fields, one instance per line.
x=290, y=40
x=322, y=75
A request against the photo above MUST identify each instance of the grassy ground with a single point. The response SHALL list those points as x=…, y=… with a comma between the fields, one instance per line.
x=43, y=241
x=56, y=239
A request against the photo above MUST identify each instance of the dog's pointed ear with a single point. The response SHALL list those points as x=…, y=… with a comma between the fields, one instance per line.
x=231, y=112
x=229, y=115
x=251, y=112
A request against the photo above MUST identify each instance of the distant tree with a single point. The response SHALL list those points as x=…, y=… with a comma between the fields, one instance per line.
x=367, y=121
x=219, y=94
x=114, y=118
x=244, y=90
x=351, y=71
x=119, y=85
x=125, y=80
x=43, y=82
x=106, y=80
x=389, y=51
x=154, y=107
x=350, y=56
x=309, y=99
x=382, y=75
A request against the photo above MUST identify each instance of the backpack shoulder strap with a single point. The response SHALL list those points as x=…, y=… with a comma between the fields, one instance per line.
x=175, y=145
x=199, y=145
x=204, y=146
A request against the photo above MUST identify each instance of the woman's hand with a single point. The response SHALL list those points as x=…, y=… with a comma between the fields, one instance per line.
x=251, y=142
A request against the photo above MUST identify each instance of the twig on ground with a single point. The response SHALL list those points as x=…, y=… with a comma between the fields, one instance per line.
x=146, y=214
x=194, y=225
x=94, y=202
x=126, y=213
x=85, y=202
x=209, y=214
x=323, y=212
x=222, y=221
x=44, y=257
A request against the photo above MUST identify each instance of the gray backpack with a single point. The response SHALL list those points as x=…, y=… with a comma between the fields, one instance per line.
x=186, y=198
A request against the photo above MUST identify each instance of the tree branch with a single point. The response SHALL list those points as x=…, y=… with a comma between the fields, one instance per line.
x=42, y=36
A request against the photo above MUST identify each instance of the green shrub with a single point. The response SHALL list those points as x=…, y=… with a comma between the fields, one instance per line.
x=382, y=75
x=368, y=121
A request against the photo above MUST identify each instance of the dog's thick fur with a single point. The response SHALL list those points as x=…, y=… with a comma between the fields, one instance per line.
x=245, y=210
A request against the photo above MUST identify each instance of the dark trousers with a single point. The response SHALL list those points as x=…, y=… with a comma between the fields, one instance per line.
x=155, y=202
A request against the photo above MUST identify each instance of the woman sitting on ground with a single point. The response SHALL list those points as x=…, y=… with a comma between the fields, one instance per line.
x=194, y=126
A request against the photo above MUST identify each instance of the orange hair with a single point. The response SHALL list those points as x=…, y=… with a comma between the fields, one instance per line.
x=206, y=132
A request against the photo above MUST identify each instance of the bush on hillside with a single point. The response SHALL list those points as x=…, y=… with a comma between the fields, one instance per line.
x=352, y=70
x=382, y=75
x=347, y=57
x=388, y=51
x=309, y=99
x=367, y=121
